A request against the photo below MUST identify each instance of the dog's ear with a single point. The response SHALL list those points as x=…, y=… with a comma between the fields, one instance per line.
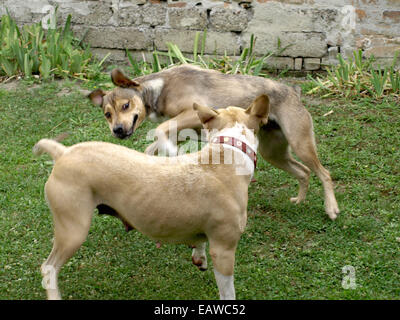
x=120, y=80
x=205, y=113
x=260, y=108
x=96, y=97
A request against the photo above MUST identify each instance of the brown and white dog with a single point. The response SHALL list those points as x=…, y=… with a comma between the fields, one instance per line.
x=172, y=92
x=186, y=199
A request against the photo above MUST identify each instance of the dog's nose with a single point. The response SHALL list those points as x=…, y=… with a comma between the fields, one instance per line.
x=118, y=130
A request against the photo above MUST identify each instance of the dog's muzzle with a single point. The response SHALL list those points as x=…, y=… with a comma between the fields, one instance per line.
x=119, y=131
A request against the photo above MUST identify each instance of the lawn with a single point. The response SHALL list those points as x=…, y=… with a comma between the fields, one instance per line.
x=286, y=252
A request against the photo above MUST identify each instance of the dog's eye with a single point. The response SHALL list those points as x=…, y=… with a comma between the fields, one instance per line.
x=108, y=115
x=125, y=106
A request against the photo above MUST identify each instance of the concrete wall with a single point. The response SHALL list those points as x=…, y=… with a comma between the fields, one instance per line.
x=315, y=30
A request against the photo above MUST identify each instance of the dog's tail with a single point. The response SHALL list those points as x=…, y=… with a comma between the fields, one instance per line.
x=50, y=146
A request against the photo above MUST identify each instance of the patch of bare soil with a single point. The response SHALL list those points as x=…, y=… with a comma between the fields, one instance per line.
x=9, y=85
x=14, y=84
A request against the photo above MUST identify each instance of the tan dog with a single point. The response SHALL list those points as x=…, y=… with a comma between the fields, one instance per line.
x=172, y=92
x=186, y=199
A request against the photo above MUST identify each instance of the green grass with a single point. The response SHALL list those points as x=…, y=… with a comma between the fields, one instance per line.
x=287, y=251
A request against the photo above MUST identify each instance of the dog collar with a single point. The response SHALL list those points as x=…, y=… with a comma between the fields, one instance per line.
x=231, y=141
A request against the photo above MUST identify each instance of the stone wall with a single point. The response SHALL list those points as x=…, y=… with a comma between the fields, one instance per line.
x=313, y=31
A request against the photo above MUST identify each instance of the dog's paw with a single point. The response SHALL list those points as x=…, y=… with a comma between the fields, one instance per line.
x=332, y=209
x=200, y=262
x=296, y=200
x=167, y=148
x=162, y=148
x=333, y=212
x=152, y=149
x=199, y=257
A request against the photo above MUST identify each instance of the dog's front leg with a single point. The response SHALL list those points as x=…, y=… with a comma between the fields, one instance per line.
x=50, y=281
x=225, y=286
x=223, y=257
x=163, y=146
x=167, y=133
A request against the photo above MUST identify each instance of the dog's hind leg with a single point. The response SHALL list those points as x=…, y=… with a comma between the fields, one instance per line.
x=274, y=148
x=298, y=130
x=72, y=220
x=199, y=257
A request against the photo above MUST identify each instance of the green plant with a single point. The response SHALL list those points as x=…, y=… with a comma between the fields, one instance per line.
x=31, y=50
x=143, y=67
x=248, y=62
x=357, y=77
x=394, y=75
x=394, y=80
x=378, y=82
